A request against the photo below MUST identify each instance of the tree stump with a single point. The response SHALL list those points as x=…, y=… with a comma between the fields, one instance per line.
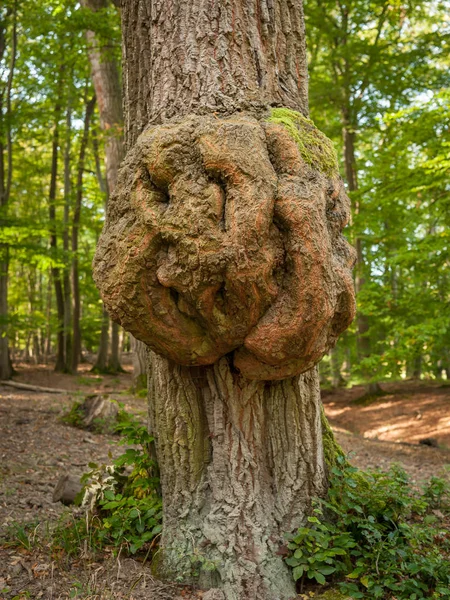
x=67, y=489
x=100, y=408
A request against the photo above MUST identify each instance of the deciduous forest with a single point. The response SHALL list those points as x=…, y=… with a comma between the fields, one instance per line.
x=225, y=299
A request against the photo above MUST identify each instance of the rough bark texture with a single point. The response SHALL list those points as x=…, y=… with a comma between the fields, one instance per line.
x=139, y=350
x=241, y=462
x=222, y=251
x=208, y=57
x=201, y=254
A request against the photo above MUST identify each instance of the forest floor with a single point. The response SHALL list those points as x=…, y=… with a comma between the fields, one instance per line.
x=36, y=448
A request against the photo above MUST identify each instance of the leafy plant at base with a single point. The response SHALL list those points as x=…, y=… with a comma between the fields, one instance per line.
x=376, y=537
x=123, y=509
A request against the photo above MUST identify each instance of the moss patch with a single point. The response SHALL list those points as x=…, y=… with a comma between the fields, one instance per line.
x=328, y=595
x=314, y=146
x=331, y=448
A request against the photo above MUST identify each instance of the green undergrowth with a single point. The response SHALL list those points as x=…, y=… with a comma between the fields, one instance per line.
x=314, y=146
x=123, y=509
x=375, y=536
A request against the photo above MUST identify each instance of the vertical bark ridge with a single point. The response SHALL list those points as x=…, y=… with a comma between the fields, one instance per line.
x=241, y=461
x=209, y=56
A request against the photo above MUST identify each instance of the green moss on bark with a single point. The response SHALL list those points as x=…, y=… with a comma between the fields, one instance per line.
x=314, y=146
x=331, y=448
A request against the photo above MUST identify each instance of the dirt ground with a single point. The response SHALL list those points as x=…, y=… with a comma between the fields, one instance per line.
x=36, y=448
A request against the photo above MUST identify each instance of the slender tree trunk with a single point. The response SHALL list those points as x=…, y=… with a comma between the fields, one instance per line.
x=139, y=352
x=56, y=272
x=75, y=229
x=101, y=361
x=48, y=312
x=106, y=79
x=6, y=369
x=336, y=376
x=362, y=321
x=240, y=460
x=67, y=211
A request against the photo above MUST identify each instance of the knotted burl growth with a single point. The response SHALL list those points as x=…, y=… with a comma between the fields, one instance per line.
x=224, y=236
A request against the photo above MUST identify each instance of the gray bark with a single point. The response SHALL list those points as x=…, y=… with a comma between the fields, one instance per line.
x=139, y=356
x=239, y=464
x=211, y=57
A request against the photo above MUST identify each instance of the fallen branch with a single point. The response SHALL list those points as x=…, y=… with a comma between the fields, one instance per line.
x=33, y=388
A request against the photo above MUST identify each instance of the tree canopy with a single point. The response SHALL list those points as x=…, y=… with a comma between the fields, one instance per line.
x=379, y=71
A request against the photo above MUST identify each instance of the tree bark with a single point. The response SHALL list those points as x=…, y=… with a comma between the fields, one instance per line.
x=139, y=352
x=240, y=462
x=240, y=459
x=76, y=351
x=60, y=365
x=6, y=369
x=202, y=57
x=106, y=80
x=67, y=211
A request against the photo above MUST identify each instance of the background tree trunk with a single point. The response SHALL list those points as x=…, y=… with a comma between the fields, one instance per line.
x=67, y=212
x=239, y=460
x=76, y=351
x=362, y=321
x=139, y=350
x=6, y=369
x=106, y=80
x=60, y=365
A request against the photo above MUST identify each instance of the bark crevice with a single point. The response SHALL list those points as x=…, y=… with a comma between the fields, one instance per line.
x=238, y=480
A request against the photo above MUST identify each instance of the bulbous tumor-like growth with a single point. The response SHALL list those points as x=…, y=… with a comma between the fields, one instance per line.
x=223, y=236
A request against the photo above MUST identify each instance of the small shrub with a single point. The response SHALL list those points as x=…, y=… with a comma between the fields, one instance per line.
x=128, y=506
x=375, y=537
x=123, y=509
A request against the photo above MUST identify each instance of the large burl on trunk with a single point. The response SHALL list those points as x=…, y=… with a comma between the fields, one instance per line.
x=222, y=251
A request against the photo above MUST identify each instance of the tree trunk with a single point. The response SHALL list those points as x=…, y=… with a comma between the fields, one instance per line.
x=6, y=369
x=139, y=355
x=60, y=365
x=240, y=457
x=106, y=80
x=67, y=211
x=337, y=380
x=362, y=321
x=76, y=351
x=240, y=462
x=101, y=362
